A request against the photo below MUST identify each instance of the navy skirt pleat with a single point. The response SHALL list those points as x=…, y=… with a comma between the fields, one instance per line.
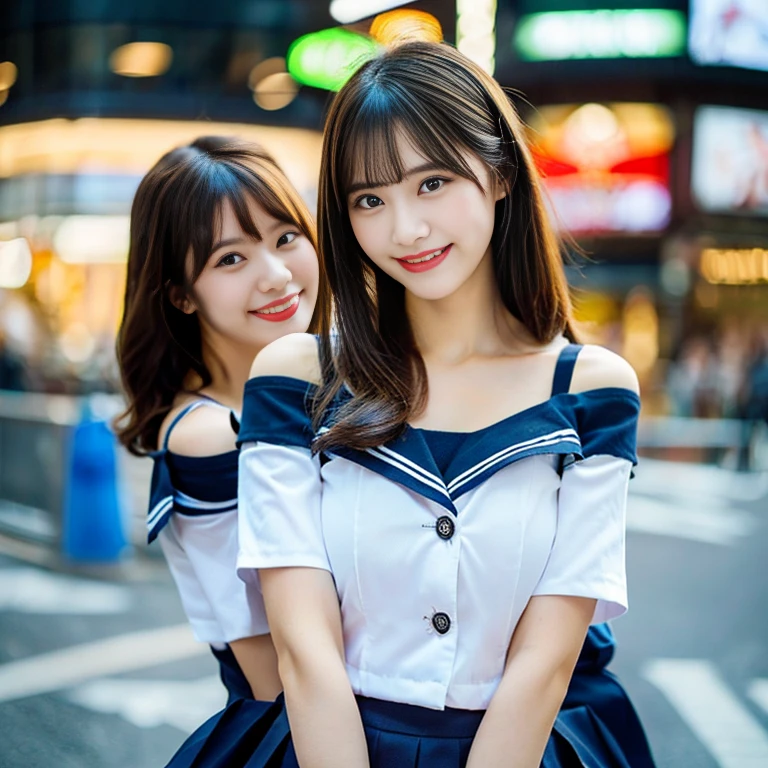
x=601, y=693
x=247, y=733
x=403, y=735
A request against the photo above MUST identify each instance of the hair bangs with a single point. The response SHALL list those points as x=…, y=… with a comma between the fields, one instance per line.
x=371, y=156
x=241, y=186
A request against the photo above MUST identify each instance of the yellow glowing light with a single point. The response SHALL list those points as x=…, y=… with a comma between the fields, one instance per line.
x=141, y=59
x=3, y=97
x=641, y=331
x=402, y=25
x=275, y=91
x=131, y=147
x=264, y=69
x=8, y=74
x=735, y=266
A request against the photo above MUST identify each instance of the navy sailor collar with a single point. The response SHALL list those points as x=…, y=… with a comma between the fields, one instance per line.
x=602, y=421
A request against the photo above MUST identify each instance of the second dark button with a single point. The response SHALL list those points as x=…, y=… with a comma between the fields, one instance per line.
x=445, y=527
x=441, y=622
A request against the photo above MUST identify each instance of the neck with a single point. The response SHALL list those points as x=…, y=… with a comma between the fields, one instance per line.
x=471, y=322
x=229, y=364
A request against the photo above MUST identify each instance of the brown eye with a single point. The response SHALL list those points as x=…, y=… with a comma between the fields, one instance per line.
x=432, y=185
x=369, y=201
x=229, y=260
x=286, y=238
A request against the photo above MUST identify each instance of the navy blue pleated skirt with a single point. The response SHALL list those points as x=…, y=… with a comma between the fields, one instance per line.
x=597, y=726
x=255, y=734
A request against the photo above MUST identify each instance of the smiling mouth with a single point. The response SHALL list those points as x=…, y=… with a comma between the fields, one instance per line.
x=275, y=309
x=426, y=257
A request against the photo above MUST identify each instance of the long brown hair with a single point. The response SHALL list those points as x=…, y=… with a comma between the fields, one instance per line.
x=442, y=103
x=177, y=211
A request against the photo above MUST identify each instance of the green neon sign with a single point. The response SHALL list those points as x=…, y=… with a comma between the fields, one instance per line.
x=608, y=34
x=327, y=59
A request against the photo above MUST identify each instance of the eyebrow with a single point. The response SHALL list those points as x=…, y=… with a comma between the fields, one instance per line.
x=236, y=240
x=428, y=166
x=227, y=243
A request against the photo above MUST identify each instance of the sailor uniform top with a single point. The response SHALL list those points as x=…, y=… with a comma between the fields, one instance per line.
x=433, y=569
x=193, y=513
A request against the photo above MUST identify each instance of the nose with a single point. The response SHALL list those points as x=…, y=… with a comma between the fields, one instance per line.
x=274, y=274
x=408, y=225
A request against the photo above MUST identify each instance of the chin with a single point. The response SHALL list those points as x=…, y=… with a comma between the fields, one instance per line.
x=434, y=290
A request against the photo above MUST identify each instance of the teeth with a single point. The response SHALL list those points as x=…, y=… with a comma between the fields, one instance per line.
x=279, y=307
x=428, y=257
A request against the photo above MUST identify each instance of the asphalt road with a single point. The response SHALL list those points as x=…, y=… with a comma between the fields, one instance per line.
x=103, y=673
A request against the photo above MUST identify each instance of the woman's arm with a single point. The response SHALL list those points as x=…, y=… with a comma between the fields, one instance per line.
x=257, y=659
x=584, y=581
x=281, y=536
x=304, y=616
x=540, y=662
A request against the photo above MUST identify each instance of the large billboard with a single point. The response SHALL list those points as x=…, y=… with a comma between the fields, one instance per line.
x=730, y=160
x=729, y=32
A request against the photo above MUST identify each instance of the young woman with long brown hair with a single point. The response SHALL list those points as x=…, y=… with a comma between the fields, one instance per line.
x=222, y=262
x=433, y=496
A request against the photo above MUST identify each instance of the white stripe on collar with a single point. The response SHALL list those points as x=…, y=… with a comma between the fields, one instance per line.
x=410, y=468
x=158, y=510
x=562, y=435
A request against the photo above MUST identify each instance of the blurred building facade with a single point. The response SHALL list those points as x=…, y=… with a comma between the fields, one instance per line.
x=650, y=127
x=647, y=119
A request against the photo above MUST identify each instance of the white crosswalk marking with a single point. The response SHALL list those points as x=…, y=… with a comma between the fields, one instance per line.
x=710, y=524
x=113, y=655
x=29, y=590
x=184, y=704
x=703, y=700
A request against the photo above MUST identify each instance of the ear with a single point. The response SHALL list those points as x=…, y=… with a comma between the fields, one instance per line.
x=500, y=188
x=181, y=300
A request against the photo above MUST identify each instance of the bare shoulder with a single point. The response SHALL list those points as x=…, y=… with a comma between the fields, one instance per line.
x=204, y=431
x=598, y=368
x=294, y=355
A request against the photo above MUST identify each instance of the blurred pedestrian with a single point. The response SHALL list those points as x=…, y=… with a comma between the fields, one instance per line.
x=222, y=262
x=12, y=368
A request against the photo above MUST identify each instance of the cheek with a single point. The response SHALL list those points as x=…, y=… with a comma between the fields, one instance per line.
x=472, y=211
x=216, y=296
x=304, y=267
x=369, y=230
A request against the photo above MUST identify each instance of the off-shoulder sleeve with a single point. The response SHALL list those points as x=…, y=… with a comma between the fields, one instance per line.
x=279, y=486
x=588, y=553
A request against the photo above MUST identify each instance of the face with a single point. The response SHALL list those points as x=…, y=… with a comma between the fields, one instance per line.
x=252, y=292
x=431, y=231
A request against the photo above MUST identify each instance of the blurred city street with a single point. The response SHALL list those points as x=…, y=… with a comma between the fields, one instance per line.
x=647, y=124
x=100, y=672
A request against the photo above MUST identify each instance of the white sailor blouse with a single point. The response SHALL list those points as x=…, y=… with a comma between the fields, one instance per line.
x=433, y=570
x=193, y=514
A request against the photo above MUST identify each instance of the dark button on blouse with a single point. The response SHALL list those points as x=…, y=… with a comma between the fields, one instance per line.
x=445, y=527
x=441, y=622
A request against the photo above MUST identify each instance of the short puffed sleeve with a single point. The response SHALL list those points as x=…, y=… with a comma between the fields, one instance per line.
x=202, y=553
x=588, y=554
x=279, y=485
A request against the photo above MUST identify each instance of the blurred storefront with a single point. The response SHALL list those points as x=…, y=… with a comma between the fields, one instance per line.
x=648, y=125
x=92, y=94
